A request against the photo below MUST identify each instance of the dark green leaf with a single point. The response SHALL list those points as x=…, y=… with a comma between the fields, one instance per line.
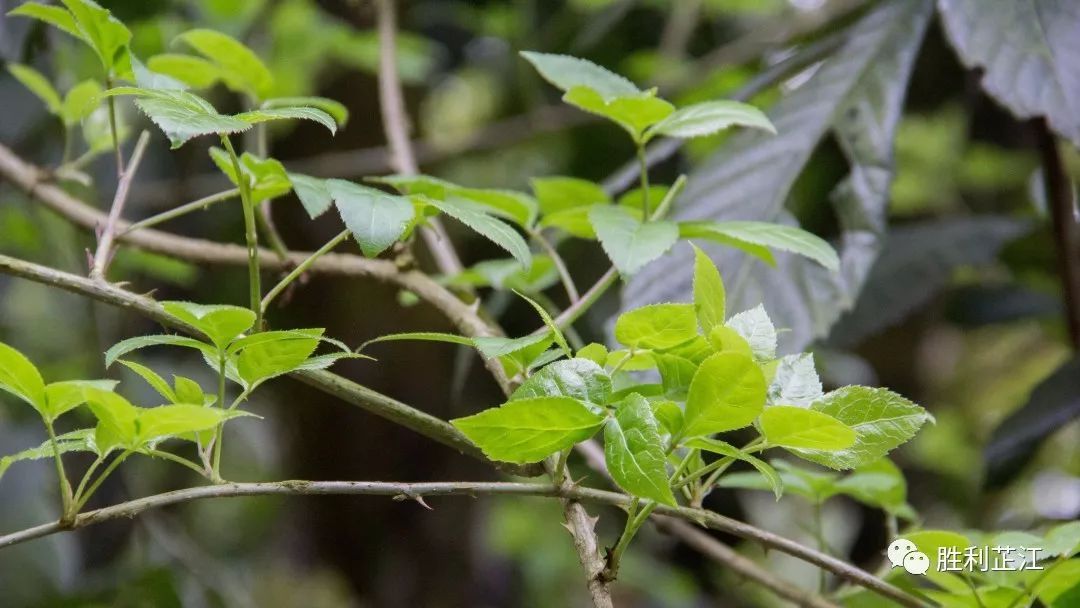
x=181, y=115
x=314, y=193
x=375, y=218
x=495, y=230
x=634, y=452
x=763, y=234
x=580, y=379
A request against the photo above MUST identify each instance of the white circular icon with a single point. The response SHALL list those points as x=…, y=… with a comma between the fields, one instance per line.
x=898, y=549
x=916, y=562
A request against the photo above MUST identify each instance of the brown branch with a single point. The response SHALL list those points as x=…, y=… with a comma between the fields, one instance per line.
x=103, y=255
x=1062, y=207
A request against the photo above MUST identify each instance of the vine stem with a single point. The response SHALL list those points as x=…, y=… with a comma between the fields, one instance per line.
x=251, y=234
x=113, y=129
x=80, y=500
x=103, y=254
x=643, y=168
x=560, y=264
x=65, y=486
x=301, y=268
x=197, y=205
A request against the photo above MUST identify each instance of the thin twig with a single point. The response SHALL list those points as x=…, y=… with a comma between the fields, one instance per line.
x=396, y=126
x=560, y=264
x=301, y=268
x=1059, y=199
x=105, y=240
x=203, y=203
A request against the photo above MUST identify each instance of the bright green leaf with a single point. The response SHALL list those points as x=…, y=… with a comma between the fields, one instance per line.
x=529, y=430
x=629, y=243
x=1063, y=540
x=195, y=72
x=676, y=373
x=241, y=68
x=881, y=419
x=313, y=192
x=669, y=415
x=19, y=377
x=562, y=193
x=656, y=326
x=260, y=362
x=556, y=333
x=289, y=113
x=221, y=323
x=153, y=379
x=126, y=346
x=727, y=393
x=634, y=452
x=709, y=295
x=81, y=101
x=595, y=352
x=103, y=32
x=795, y=427
x=181, y=115
x=66, y=395
x=634, y=113
x=75, y=441
x=766, y=234
x=53, y=15
x=335, y=109
x=703, y=230
x=724, y=339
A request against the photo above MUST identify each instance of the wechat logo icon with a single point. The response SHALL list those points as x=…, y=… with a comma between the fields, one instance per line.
x=903, y=553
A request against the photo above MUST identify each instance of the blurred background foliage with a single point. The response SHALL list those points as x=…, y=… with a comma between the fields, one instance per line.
x=962, y=311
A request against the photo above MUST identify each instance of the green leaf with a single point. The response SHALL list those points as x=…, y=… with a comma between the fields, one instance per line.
x=768, y=473
x=1061, y=586
x=879, y=484
x=508, y=273
x=757, y=329
x=774, y=236
x=241, y=68
x=75, y=441
x=703, y=230
x=795, y=382
x=595, y=352
x=529, y=430
x=709, y=295
x=417, y=184
x=260, y=362
x=266, y=177
x=676, y=373
x=724, y=339
x=669, y=415
x=289, y=113
x=567, y=72
x=1063, y=540
x=515, y=206
x=495, y=230
x=181, y=115
x=710, y=117
x=574, y=222
x=53, y=15
x=104, y=33
x=556, y=333
x=335, y=109
x=195, y=72
x=131, y=344
x=38, y=85
x=561, y=193
x=153, y=379
x=629, y=243
x=423, y=336
x=66, y=395
x=189, y=391
x=580, y=379
x=727, y=393
x=881, y=419
x=657, y=326
x=628, y=361
x=931, y=542
x=794, y=427
x=117, y=426
x=80, y=102
x=19, y=377
x=376, y=219
x=634, y=113
x=157, y=423
x=498, y=346
x=634, y=452
x=221, y=323
x=314, y=193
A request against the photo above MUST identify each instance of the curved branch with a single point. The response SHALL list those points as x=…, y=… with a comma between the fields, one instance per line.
x=35, y=182
x=414, y=491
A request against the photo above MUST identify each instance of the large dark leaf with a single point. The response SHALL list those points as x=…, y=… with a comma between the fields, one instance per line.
x=1029, y=51
x=858, y=94
x=1053, y=404
x=916, y=263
